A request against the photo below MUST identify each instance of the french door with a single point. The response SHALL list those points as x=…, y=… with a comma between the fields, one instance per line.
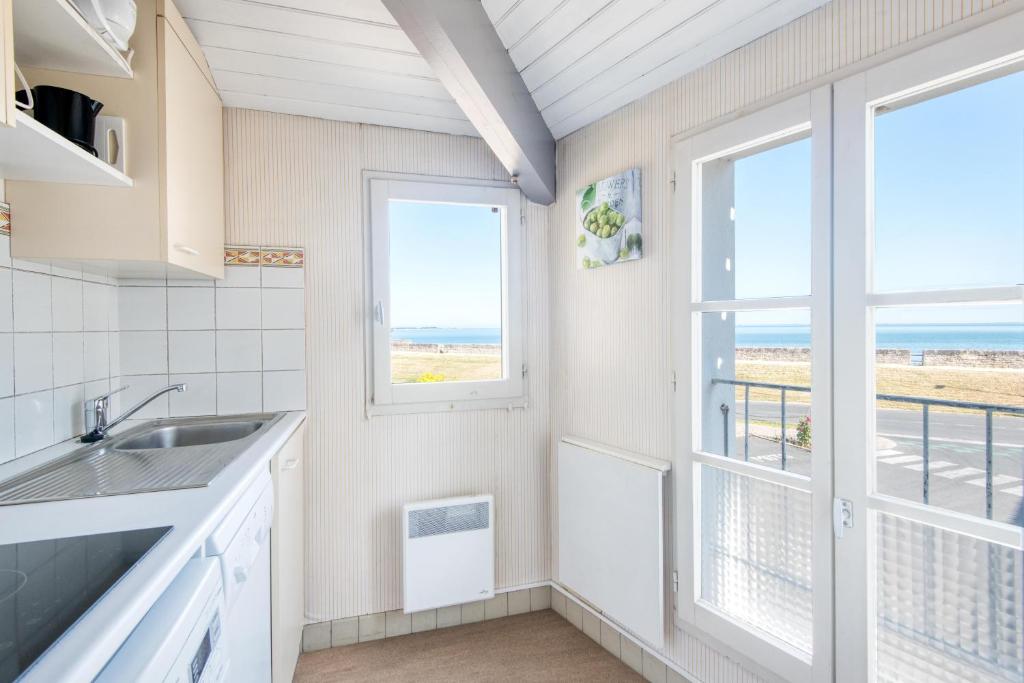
x=754, y=262
x=929, y=245
x=848, y=334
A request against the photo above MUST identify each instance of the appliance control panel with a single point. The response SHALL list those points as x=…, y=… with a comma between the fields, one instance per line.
x=181, y=639
x=203, y=660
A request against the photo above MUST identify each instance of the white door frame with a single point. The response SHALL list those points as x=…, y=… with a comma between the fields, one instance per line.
x=970, y=57
x=773, y=125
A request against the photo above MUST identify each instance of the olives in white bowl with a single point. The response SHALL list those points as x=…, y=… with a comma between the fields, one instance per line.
x=604, y=221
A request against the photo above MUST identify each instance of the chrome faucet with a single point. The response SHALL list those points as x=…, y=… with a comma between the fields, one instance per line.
x=97, y=412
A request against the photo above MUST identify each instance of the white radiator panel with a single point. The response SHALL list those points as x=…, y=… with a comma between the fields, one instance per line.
x=611, y=535
x=447, y=552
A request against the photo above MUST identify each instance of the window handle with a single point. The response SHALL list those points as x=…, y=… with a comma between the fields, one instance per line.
x=378, y=313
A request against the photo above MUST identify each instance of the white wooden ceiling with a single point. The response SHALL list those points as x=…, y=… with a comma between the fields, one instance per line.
x=332, y=59
x=580, y=59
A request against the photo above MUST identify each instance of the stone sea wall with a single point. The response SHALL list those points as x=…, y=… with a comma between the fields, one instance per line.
x=938, y=358
x=935, y=358
x=474, y=349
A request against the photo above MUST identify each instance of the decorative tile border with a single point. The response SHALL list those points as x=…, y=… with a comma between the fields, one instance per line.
x=273, y=257
x=5, y=219
x=284, y=257
x=241, y=256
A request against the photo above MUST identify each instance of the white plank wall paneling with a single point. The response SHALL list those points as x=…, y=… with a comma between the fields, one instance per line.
x=296, y=180
x=634, y=323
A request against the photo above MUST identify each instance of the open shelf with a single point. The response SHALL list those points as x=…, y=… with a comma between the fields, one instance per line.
x=51, y=34
x=31, y=151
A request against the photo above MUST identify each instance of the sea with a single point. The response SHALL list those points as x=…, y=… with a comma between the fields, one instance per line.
x=447, y=335
x=915, y=338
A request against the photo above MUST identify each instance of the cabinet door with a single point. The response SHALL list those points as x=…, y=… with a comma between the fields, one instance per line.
x=192, y=156
x=7, y=86
x=287, y=550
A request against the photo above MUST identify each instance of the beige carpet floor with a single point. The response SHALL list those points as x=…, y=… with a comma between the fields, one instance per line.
x=540, y=646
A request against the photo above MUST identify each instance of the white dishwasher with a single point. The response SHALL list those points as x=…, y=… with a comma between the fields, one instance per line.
x=181, y=639
x=242, y=545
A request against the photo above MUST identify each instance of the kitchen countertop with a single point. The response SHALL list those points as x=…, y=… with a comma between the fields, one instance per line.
x=82, y=652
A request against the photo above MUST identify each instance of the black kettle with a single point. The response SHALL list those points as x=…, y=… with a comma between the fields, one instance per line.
x=67, y=112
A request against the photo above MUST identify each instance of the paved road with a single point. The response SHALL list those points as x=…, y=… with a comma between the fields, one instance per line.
x=956, y=458
x=1006, y=429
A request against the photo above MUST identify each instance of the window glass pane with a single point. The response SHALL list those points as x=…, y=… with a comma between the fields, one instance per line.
x=766, y=250
x=741, y=419
x=949, y=606
x=446, y=284
x=756, y=554
x=962, y=364
x=949, y=190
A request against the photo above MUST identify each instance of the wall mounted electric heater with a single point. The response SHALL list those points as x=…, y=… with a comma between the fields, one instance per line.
x=447, y=552
x=611, y=534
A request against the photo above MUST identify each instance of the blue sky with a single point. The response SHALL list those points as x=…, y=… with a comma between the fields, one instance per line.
x=445, y=265
x=949, y=212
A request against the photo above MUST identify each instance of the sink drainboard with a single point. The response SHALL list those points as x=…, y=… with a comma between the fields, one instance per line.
x=107, y=469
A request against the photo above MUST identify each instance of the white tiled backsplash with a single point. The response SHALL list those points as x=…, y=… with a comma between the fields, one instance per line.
x=66, y=336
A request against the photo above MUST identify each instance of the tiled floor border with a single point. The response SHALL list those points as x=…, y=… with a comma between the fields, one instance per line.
x=649, y=664
x=380, y=625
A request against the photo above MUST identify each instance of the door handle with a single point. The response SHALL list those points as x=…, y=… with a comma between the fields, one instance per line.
x=187, y=249
x=842, y=516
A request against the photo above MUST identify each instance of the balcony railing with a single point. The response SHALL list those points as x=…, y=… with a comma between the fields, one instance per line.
x=989, y=409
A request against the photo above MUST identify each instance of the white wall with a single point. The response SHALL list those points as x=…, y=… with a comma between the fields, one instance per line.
x=58, y=344
x=239, y=343
x=610, y=327
x=67, y=336
x=295, y=180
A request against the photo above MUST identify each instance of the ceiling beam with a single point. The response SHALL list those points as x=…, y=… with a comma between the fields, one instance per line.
x=459, y=42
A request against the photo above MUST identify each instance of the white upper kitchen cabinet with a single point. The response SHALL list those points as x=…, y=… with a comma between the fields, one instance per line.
x=171, y=220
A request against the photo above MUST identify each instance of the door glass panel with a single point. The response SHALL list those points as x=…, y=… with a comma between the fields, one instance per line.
x=948, y=606
x=756, y=216
x=756, y=554
x=446, y=300
x=950, y=407
x=949, y=190
x=742, y=418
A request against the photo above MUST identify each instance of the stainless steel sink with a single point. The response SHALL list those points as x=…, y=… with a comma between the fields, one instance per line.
x=159, y=455
x=180, y=436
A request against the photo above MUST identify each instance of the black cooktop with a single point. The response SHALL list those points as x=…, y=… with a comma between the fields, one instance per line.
x=45, y=586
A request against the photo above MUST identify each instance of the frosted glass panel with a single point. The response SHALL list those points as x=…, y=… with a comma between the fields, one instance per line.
x=949, y=606
x=756, y=554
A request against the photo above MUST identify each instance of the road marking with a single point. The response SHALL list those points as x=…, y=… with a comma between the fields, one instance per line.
x=1015, y=491
x=962, y=472
x=997, y=480
x=932, y=466
x=887, y=451
x=901, y=459
x=932, y=439
x=770, y=457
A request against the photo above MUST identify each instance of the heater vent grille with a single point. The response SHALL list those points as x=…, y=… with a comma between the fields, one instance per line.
x=448, y=519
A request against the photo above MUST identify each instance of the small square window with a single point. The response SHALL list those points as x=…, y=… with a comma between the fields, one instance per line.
x=446, y=303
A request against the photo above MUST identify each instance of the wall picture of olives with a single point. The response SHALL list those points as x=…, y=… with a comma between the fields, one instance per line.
x=608, y=221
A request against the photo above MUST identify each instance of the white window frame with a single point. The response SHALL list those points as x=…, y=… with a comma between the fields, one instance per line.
x=383, y=397
x=783, y=122
x=978, y=55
